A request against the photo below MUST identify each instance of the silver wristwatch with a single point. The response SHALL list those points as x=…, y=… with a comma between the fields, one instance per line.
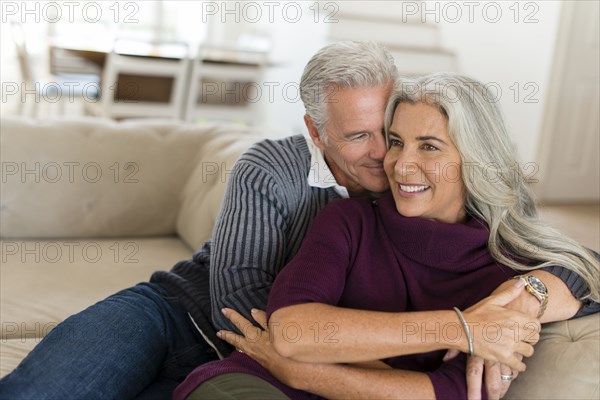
x=537, y=288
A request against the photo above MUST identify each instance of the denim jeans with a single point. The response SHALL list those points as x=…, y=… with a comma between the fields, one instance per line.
x=139, y=343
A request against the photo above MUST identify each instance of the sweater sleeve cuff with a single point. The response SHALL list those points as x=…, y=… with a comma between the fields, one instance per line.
x=577, y=286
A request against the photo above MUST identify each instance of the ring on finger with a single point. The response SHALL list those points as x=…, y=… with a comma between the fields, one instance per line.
x=242, y=351
x=507, y=378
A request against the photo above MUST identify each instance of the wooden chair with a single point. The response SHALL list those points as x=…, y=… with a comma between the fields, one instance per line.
x=225, y=84
x=146, y=84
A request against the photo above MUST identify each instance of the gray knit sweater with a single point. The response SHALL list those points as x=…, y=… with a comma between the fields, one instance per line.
x=266, y=212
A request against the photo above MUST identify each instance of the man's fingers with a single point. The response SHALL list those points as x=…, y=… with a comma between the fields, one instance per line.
x=505, y=370
x=474, y=377
x=493, y=384
x=450, y=354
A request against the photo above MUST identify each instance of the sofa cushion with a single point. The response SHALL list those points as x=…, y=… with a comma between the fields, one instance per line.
x=13, y=351
x=565, y=363
x=92, y=177
x=205, y=188
x=44, y=282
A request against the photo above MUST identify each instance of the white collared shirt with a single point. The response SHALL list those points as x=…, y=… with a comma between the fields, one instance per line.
x=320, y=175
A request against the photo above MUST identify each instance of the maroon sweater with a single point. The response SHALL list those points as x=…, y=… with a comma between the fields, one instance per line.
x=364, y=255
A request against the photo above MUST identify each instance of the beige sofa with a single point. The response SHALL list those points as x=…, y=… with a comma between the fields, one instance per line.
x=92, y=206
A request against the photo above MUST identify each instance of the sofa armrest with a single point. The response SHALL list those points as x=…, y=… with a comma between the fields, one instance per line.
x=565, y=364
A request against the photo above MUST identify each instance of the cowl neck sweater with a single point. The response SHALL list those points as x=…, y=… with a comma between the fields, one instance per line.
x=362, y=254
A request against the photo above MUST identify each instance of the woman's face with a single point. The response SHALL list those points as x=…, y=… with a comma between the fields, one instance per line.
x=423, y=165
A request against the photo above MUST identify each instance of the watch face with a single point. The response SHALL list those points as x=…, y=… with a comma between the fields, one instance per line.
x=537, y=285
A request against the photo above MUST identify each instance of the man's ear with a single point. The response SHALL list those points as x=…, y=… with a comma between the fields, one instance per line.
x=312, y=131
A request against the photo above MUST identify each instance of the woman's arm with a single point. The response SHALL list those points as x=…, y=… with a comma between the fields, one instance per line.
x=366, y=381
x=315, y=332
x=561, y=305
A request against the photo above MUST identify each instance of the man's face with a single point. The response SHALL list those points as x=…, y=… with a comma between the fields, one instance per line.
x=355, y=146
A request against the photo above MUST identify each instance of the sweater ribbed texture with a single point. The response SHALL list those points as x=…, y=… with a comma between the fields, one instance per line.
x=266, y=212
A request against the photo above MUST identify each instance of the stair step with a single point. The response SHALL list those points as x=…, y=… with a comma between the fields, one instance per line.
x=402, y=11
x=386, y=32
x=412, y=61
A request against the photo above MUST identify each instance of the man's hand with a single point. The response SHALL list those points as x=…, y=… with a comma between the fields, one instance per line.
x=495, y=386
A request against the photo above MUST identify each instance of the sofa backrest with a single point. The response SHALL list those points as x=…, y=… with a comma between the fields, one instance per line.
x=90, y=177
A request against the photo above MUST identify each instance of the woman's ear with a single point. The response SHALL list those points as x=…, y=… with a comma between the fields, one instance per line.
x=313, y=132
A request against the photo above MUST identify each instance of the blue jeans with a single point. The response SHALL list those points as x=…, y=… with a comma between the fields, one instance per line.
x=139, y=343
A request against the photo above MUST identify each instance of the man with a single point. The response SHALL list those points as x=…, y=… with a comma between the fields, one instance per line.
x=141, y=342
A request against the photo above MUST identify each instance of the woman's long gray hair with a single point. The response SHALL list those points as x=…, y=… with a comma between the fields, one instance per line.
x=496, y=188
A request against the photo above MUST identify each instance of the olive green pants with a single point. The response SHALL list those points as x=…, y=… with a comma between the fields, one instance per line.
x=236, y=386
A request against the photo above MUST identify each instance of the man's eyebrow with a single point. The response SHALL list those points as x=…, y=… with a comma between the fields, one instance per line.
x=350, y=134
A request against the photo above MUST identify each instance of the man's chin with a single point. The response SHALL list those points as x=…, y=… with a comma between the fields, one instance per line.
x=377, y=187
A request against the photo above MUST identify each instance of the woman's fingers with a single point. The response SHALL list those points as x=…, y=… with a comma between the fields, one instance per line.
x=233, y=339
x=260, y=317
x=238, y=320
x=525, y=349
x=500, y=333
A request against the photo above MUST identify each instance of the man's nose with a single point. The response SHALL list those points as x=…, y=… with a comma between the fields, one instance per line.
x=379, y=147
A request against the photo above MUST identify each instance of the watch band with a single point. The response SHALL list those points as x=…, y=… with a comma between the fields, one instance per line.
x=537, y=288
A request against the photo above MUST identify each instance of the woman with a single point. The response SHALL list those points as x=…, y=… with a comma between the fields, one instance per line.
x=445, y=236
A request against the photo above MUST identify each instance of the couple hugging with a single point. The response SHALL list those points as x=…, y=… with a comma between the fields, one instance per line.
x=381, y=283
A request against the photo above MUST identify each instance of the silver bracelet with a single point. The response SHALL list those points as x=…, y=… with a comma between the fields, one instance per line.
x=467, y=330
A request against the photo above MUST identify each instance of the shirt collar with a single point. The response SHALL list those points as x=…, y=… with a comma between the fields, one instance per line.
x=319, y=175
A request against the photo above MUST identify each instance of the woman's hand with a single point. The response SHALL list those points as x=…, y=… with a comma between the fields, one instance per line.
x=501, y=334
x=256, y=343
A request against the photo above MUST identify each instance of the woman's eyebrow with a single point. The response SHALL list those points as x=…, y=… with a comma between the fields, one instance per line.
x=422, y=138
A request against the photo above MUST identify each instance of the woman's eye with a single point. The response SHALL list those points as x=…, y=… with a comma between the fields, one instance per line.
x=430, y=147
x=395, y=143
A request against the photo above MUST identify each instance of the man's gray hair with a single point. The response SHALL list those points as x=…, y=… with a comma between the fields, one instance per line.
x=345, y=64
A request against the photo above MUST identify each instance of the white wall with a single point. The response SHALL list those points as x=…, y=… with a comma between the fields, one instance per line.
x=508, y=53
x=503, y=53
x=511, y=50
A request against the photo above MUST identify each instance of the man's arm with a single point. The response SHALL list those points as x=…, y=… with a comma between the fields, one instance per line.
x=248, y=243
x=561, y=305
x=348, y=382
x=367, y=381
